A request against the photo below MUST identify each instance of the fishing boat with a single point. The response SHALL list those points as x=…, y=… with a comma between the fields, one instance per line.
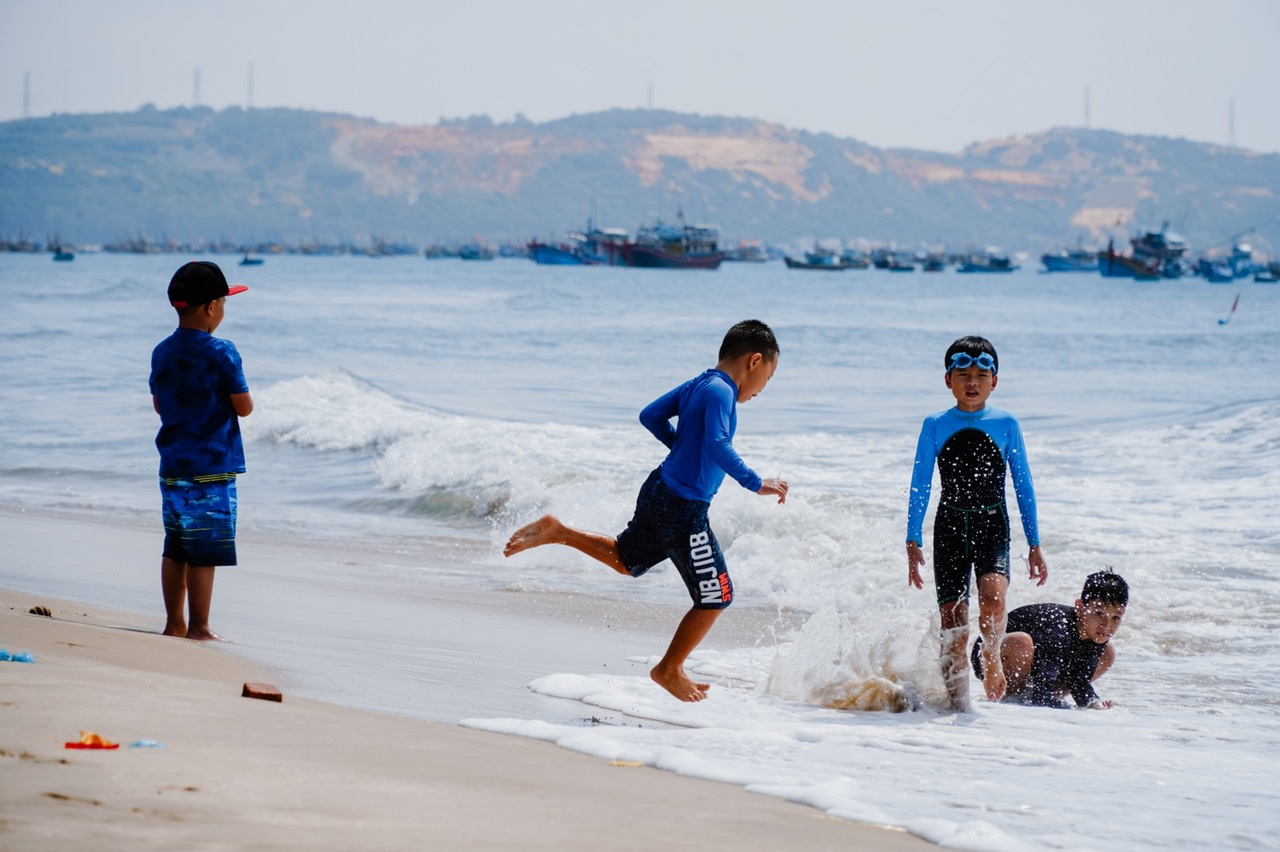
x=856, y=259
x=1113, y=265
x=1161, y=252
x=819, y=259
x=987, y=260
x=1070, y=260
x=748, y=251
x=248, y=260
x=590, y=247
x=934, y=262
x=563, y=254
x=475, y=251
x=63, y=253
x=679, y=246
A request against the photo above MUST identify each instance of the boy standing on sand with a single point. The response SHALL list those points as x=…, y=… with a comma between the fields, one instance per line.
x=199, y=390
x=670, y=520
x=1052, y=649
x=973, y=446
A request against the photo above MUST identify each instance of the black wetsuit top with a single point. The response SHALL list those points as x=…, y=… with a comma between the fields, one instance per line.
x=1063, y=660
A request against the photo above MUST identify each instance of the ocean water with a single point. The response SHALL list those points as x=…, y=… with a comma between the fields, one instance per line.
x=431, y=407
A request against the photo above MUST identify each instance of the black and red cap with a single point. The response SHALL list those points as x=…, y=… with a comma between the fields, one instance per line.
x=199, y=282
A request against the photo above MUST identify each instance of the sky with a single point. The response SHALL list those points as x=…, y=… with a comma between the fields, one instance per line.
x=936, y=75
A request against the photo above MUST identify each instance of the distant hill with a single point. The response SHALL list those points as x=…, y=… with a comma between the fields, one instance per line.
x=249, y=176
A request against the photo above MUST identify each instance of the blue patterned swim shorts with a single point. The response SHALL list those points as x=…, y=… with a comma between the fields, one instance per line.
x=200, y=519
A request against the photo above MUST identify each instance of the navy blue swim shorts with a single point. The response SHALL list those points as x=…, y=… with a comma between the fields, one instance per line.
x=667, y=526
x=966, y=540
x=200, y=519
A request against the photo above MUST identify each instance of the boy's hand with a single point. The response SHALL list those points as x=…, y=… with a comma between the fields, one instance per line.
x=1039, y=568
x=774, y=486
x=915, y=558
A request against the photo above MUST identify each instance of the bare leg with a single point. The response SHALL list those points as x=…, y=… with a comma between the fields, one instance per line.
x=991, y=622
x=955, y=662
x=173, y=584
x=669, y=672
x=199, y=597
x=549, y=530
x=1017, y=655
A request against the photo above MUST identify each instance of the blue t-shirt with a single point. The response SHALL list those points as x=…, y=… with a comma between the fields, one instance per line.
x=193, y=375
x=701, y=442
x=972, y=451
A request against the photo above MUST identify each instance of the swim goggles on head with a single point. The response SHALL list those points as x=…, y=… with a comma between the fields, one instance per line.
x=964, y=359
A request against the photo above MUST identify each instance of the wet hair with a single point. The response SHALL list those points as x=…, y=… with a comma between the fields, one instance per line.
x=1106, y=587
x=747, y=337
x=971, y=345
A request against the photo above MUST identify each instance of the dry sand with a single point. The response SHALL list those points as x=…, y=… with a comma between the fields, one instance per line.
x=241, y=773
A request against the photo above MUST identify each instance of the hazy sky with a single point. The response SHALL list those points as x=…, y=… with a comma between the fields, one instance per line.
x=932, y=74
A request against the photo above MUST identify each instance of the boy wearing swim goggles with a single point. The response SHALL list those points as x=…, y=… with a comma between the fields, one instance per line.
x=973, y=446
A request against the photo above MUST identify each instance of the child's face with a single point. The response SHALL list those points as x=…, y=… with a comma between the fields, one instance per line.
x=759, y=371
x=971, y=386
x=1098, y=621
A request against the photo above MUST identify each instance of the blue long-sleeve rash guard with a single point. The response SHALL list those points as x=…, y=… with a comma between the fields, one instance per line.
x=973, y=451
x=701, y=442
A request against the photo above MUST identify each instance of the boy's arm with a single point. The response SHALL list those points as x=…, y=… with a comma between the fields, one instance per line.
x=155, y=403
x=918, y=502
x=1025, y=491
x=242, y=404
x=921, y=483
x=719, y=443
x=656, y=417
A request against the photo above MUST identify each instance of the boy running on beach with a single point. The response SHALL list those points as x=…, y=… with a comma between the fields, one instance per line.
x=1052, y=649
x=670, y=520
x=199, y=390
x=973, y=446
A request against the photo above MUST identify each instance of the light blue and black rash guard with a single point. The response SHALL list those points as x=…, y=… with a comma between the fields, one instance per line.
x=972, y=451
x=701, y=442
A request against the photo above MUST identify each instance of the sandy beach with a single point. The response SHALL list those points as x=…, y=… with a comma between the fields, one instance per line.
x=236, y=772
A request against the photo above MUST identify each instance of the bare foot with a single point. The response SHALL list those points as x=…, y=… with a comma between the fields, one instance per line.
x=541, y=531
x=956, y=679
x=179, y=630
x=993, y=680
x=203, y=635
x=679, y=684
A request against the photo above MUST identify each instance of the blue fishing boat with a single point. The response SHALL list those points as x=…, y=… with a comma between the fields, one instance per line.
x=1070, y=260
x=475, y=251
x=987, y=260
x=592, y=247
x=820, y=259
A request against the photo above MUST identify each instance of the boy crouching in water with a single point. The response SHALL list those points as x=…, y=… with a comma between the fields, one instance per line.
x=1050, y=649
x=670, y=520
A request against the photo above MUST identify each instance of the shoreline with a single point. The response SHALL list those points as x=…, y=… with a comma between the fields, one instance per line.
x=237, y=772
